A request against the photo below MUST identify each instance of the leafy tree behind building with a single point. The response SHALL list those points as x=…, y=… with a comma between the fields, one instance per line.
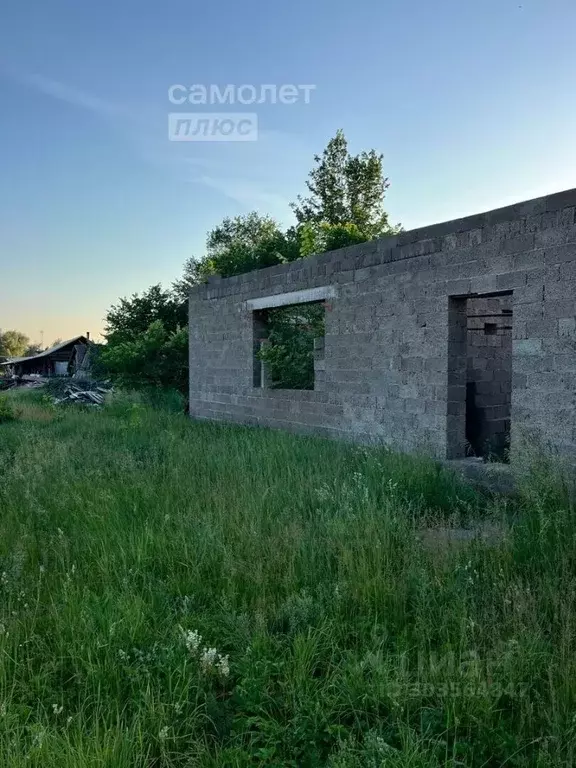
x=13, y=343
x=147, y=340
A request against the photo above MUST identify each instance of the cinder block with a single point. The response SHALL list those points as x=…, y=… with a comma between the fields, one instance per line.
x=560, y=254
x=524, y=242
x=558, y=236
x=561, y=200
x=484, y=284
x=511, y=280
x=567, y=327
x=527, y=347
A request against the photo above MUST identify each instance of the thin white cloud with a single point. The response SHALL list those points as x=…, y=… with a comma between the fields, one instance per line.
x=255, y=166
x=248, y=173
x=75, y=96
x=249, y=194
x=138, y=125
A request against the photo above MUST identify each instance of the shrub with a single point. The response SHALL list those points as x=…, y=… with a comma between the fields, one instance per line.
x=7, y=411
x=156, y=358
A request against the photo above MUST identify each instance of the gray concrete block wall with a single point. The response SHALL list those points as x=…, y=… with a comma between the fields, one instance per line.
x=395, y=354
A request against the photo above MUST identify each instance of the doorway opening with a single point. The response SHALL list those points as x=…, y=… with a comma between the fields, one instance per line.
x=480, y=376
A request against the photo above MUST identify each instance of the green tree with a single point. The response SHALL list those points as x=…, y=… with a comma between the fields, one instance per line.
x=289, y=354
x=157, y=357
x=239, y=245
x=13, y=343
x=321, y=237
x=33, y=349
x=147, y=341
x=345, y=206
x=132, y=317
x=194, y=273
x=346, y=190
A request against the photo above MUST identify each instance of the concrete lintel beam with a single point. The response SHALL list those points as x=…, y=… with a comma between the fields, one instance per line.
x=294, y=297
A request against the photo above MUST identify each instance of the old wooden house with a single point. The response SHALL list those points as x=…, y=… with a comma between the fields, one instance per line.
x=64, y=359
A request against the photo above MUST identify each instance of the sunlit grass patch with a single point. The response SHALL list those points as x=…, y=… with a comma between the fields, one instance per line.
x=32, y=410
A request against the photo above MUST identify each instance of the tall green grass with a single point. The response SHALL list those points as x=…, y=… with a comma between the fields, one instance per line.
x=349, y=642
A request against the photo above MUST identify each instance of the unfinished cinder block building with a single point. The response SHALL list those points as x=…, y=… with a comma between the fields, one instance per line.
x=455, y=339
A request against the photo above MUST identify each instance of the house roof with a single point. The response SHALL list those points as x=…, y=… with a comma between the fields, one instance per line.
x=47, y=352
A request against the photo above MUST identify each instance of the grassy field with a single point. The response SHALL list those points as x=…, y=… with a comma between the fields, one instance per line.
x=180, y=594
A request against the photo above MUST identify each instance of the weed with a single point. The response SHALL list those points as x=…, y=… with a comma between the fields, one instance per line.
x=8, y=412
x=187, y=594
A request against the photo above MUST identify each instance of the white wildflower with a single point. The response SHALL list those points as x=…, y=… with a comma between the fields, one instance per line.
x=192, y=640
x=57, y=709
x=208, y=658
x=186, y=603
x=378, y=745
x=163, y=733
x=324, y=493
x=38, y=736
x=223, y=666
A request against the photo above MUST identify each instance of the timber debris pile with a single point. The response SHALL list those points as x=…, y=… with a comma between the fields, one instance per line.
x=61, y=391
x=95, y=396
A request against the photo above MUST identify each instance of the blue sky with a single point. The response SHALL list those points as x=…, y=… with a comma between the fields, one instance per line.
x=470, y=102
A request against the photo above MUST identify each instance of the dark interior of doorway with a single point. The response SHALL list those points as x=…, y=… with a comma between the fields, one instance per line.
x=488, y=376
